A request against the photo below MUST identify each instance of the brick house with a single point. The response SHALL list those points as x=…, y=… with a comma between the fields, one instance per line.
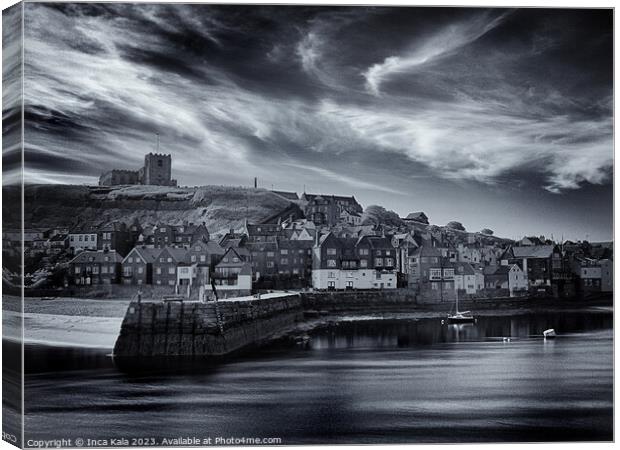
x=96, y=267
x=138, y=265
x=166, y=264
x=114, y=236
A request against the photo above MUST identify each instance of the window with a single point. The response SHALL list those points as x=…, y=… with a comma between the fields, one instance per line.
x=104, y=269
x=161, y=260
x=435, y=274
x=378, y=262
x=349, y=284
x=80, y=238
x=171, y=282
x=193, y=258
x=448, y=273
x=331, y=275
x=331, y=263
x=106, y=258
x=387, y=253
x=363, y=263
x=158, y=281
x=197, y=248
x=378, y=252
x=331, y=251
x=96, y=270
x=235, y=259
x=270, y=264
x=284, y=261
x=140, y=269
x=111, y=269
x=331, y=284
x=130, y=260
x=284, y=251
x=424, y=259
x=434, y=286
x=270, y=254
x=389, y=262
x=169, y=260
x=171, y=270
x=127, y=271
x=158, y=271
x=77, y=269
x=203, y=258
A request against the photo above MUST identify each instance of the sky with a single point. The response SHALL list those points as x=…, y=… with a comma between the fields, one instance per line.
x=497, y=118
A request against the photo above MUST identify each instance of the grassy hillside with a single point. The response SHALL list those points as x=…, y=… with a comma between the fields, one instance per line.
x=220, y=207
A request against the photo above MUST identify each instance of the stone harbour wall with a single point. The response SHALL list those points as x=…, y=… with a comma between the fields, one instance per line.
x=175, y=328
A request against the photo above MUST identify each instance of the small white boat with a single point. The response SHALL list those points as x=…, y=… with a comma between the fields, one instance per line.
x=549, y=334
x=460, y=317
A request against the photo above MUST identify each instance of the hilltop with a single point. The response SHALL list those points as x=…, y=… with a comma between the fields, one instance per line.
x=219, y=207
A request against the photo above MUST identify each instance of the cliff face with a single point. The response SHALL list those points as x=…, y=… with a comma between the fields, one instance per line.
x=220, y=207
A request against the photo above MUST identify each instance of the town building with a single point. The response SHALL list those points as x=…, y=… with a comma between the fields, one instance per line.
x=539, y=262
x=114, y=236
x=351, y=217
x=326, y=210
x=138, y=265
x=468, y=279
x=96, y=267
x=416, y=217
x=166, y=264
x=83, y=237
x=510, y=277
x=233, y=273
x=350, y=263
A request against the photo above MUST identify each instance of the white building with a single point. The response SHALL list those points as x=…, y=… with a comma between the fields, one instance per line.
x=336, y=279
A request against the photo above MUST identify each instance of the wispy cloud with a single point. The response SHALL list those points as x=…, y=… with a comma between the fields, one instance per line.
x=429, y=49
x=344, y=180
x=489, y=110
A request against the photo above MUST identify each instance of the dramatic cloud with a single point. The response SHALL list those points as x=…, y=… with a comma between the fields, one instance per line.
x=373, y=101
x=427, y=50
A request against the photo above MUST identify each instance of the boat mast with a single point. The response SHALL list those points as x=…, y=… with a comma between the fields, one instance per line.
x=457, y=301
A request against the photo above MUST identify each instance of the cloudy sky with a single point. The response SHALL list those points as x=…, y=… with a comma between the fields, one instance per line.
x=498, y=118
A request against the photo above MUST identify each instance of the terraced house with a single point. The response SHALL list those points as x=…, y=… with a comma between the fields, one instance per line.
x=165, y=266
x=138, y=265
x=96, y=267
x=353, y=263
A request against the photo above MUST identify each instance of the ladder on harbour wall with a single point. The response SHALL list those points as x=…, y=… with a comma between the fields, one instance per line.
x=218, y=316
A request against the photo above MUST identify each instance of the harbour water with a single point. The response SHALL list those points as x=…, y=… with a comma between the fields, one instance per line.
x=354, y=381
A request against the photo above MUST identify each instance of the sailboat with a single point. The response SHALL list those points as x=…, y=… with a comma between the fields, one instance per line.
x=460, y=317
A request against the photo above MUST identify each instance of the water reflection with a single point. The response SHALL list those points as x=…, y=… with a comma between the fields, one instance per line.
x=368, y=381
x=406, y=333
